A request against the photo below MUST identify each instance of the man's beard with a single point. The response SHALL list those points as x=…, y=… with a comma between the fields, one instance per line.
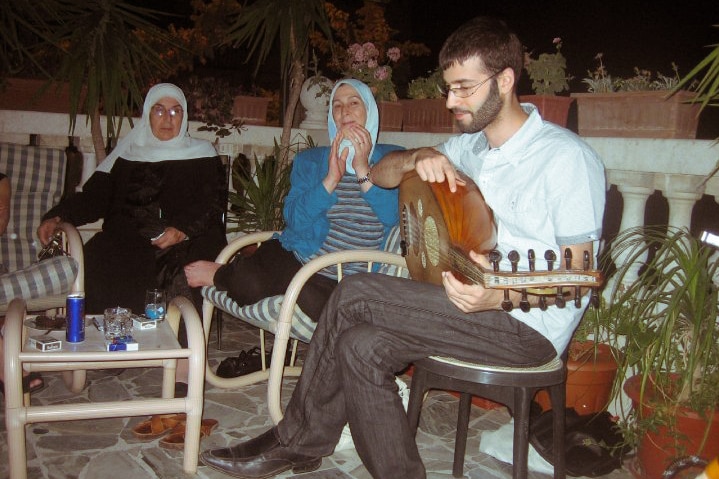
x=486, y=114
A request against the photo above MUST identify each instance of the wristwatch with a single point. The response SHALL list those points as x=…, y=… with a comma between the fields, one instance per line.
x=365, y=178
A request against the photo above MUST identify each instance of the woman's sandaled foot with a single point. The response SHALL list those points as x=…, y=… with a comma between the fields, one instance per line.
x=31, y=383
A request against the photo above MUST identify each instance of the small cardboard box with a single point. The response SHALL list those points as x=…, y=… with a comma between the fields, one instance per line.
x=122, y=344
x=45, y=343
x=140, y=323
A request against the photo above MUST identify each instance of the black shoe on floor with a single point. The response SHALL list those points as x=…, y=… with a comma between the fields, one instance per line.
x=259, y=458
x=245, y=363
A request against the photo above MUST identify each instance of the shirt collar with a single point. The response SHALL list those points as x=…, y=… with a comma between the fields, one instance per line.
x=512, y=149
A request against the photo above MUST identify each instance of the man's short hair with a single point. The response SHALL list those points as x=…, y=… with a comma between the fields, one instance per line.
x=488, y=39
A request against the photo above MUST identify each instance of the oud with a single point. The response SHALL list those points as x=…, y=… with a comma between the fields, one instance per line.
x=439, y=229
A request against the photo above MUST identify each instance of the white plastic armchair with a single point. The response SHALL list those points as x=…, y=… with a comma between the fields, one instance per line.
x=280, y=314
x=214, y=298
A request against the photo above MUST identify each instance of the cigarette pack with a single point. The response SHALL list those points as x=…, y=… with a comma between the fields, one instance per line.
x=141, y=322
x=126, y=343
x=44, y=343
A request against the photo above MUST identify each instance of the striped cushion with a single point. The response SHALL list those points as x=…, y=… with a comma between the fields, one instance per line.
x=265, y=313
x=53, y=276
x=36, y=176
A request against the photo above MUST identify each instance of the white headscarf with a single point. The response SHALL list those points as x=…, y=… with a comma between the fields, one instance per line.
x=142, y=145
x=372, y=123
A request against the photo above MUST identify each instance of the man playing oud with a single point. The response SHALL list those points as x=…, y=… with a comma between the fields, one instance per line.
x=546, y=189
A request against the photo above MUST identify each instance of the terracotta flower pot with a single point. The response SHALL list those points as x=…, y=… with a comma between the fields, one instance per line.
x=251, y=109
x=430, y=115
x=552, y=108
x=589, y=379
x=390, y=115
x=637, y=114
x=658, y=448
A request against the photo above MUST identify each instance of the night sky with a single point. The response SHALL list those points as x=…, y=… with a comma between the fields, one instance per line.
x=647, y=34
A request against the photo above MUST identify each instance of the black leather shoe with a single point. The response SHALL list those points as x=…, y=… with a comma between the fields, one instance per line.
x=271, y=458
x=250, y=448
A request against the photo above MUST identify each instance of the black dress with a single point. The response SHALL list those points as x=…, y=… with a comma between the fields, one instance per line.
x=137, y=201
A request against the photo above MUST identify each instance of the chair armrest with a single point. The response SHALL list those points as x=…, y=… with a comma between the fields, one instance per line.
x=74, y=248
x=284, y=323
x=229, y=251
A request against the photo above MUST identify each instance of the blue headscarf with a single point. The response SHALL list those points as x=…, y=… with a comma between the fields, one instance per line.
x=372, y=124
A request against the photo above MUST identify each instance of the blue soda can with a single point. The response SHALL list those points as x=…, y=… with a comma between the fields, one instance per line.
x=75, y=313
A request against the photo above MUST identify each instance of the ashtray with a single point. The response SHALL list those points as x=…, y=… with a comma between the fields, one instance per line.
x=46, y=323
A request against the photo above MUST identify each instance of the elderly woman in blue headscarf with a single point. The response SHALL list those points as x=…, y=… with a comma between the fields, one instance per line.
x=332, y=205
x=161, y=195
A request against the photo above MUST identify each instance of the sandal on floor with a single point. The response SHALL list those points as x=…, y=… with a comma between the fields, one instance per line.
x=176, y=439
x=158, y=425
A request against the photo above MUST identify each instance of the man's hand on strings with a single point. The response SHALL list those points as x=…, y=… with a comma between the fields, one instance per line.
x=471, y=298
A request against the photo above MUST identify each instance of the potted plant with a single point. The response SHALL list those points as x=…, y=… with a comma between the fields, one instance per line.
x=315, y=97
x=641, y=106
x=426, y=109
x=665, y=322
x=260, y=187
x=363, y=62
x=548, y=73
x=591, y=364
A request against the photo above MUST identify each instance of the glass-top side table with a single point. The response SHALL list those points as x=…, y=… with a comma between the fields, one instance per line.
x=157, y=348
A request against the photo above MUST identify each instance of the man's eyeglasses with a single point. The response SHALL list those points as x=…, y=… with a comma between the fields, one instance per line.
x=463, y=91
x=160, y=111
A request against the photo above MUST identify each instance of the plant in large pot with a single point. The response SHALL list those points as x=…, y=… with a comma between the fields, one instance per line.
x=369, y=64
x=426, y=109
x=591, y=364
x=666, y=326
x=548, y=73
x=644, y=105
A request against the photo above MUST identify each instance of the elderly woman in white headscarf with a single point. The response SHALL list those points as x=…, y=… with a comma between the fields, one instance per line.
x=160, y=193
x=332, y=205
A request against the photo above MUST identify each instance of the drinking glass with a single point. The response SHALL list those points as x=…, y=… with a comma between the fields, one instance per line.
x=155, y=304
x=117, y=322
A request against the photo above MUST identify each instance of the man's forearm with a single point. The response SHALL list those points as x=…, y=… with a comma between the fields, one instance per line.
x=388, y=172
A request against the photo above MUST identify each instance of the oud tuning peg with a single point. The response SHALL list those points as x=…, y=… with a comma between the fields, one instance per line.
x=513, y=257
x=532, y=259
x=550, y=256
x=568, y=258
x=543, y=303
x=494, y=258
x=507, y=305
x=524, y=302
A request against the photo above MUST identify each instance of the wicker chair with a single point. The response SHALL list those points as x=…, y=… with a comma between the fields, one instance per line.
x=281, y=316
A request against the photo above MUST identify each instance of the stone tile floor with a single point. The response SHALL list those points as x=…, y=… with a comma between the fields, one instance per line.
x=106, y=448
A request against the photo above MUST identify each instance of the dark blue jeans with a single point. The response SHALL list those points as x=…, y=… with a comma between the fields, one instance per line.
x=372, y=326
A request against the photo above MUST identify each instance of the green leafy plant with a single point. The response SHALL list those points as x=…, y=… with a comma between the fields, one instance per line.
x=600, y=81
x=426, y=87
x=548, y=71
x=666, y=323
x=257, y=203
